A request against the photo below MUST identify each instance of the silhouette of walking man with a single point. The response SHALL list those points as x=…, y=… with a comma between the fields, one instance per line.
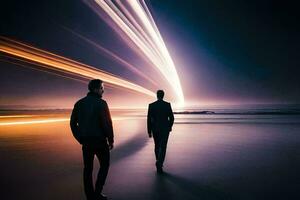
x=160, y=120
x=91, y=126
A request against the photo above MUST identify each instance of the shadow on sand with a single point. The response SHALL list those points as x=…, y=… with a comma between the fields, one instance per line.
x=170, y=186
x=129, y=148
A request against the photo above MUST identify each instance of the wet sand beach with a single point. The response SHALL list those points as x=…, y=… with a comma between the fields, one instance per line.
x=208, y=157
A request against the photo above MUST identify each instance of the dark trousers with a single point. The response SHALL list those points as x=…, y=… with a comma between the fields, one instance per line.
x=102, y=153
x=160, y=142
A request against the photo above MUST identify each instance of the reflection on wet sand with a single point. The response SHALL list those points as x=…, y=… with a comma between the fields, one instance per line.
x=204, y=161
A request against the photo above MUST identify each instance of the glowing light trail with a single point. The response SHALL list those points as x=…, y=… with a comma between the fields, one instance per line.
x=52, y=61
x=15, y=116
x=48, y=120
x=134, y=20
x=42, y=70
x=34, y=122
x=113, y=56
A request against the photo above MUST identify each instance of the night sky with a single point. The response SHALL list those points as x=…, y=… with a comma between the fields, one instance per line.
x=225, y=52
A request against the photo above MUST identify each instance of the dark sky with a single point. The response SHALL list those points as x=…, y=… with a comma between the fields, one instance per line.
x=241, y=49
x=225, y=51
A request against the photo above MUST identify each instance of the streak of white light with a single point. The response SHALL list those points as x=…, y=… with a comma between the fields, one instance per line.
x=151, y=44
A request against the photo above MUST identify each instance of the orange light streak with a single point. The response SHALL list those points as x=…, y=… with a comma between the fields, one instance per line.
x=33, y=122
x=41, y=120
x=55, y=62
x=16, y=116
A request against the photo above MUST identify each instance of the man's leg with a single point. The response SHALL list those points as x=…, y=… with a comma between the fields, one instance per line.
x=156, y=145
x=163, y=148
x=88, y=158
x=104, y=159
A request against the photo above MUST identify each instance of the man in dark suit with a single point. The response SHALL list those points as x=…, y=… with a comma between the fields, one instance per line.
x=91, y=126
x=160, y=120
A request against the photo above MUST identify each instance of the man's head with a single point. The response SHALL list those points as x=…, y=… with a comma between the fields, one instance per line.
x=160, y=94
x=96, y=86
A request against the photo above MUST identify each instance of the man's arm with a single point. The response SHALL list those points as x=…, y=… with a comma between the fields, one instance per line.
x=74, y=123
x=109, y=127
x=171, y=117
x=149, y=121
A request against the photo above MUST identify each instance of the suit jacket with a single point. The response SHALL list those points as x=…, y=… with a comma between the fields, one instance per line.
x=91, y=121
x=160, y=117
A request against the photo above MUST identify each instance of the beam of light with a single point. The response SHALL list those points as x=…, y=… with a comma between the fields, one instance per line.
x=112, y=56
x=33, y=122
x=47, y=60
x=135, y=24
x=15, y=116
x=42, y=70
x=47, y=120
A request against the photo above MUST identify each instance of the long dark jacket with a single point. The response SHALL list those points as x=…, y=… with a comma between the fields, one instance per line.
x=160, y=117
x=91, y=121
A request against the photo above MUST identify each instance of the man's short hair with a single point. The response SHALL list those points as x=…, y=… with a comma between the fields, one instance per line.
x=95, y=84
x=160, y=94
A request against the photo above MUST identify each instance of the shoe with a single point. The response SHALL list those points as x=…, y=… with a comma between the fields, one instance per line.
x=101, y=197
